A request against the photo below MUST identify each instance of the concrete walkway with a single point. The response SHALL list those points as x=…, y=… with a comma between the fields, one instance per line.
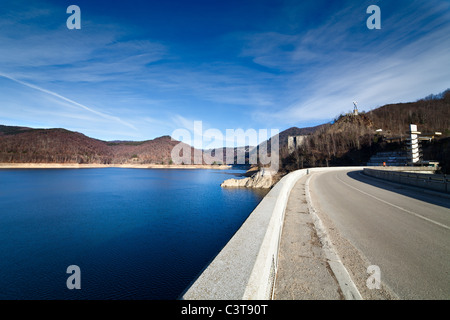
x=303, y=270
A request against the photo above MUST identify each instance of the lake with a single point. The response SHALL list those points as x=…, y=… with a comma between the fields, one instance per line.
x=134, y=233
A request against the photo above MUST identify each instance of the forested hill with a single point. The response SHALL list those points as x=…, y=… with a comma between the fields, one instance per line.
x=352, y=140
x=349, y=140
x=26, y=145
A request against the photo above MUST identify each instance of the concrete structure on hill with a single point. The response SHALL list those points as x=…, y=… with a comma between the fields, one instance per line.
x=413, y=144
x=411, y=157
x=355, y=108
x=295, y=142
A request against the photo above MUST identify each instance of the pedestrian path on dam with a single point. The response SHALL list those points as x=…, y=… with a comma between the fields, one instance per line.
x=303, y=269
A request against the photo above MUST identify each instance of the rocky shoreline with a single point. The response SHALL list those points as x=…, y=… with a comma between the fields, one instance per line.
x=263, y=178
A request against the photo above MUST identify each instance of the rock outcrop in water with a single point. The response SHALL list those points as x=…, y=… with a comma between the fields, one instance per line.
x=261, y=179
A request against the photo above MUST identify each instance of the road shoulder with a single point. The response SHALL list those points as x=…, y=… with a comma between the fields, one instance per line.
x=303, y=272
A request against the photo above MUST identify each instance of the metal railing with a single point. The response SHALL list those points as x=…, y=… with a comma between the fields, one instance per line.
x=437, y=182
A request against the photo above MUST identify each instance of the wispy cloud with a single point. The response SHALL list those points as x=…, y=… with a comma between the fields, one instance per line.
x=301, y=64
x=98, y=113
x=372, y=68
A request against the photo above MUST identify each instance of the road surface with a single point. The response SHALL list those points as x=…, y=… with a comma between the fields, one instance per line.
x=402, y=230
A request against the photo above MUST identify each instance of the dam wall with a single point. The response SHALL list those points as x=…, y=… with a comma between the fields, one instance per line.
x=245, y=268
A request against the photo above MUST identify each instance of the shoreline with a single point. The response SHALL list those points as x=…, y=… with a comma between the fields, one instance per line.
x=130, y=166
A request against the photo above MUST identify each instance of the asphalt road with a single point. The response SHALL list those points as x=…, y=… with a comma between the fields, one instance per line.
x=402, y=230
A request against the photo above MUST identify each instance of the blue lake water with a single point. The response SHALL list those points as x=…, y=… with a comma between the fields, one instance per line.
x=134, y=233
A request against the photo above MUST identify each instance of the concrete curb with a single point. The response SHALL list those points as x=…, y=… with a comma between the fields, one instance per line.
x=245, y=268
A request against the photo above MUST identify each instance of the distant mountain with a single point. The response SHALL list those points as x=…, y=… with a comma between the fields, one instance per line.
x=294, y=131
x=8, y=130
x=157, y=150
x=283, y=136
x=51, y=146
x=250, y=150
x=235, y=153
x=350, y=140
x=27, y=145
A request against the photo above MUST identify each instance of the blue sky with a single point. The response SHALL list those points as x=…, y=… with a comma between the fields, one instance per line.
x=137, y=70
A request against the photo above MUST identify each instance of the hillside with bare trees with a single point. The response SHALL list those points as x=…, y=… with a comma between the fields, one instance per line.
x=353, y=139
x=50, y=146
x=349, y=140
x=26, y=145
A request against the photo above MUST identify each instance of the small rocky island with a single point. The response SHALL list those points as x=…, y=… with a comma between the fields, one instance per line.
x=264, y=178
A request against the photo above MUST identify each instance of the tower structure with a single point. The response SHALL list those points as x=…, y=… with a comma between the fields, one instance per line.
x=413, y=144
x=355, y=108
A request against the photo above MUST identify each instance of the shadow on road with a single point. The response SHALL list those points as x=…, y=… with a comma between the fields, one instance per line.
x=405, y=190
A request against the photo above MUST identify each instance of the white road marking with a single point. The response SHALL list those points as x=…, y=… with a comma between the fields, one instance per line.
x=395, y=206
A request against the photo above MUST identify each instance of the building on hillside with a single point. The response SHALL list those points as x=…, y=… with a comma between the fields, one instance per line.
x=411, y=157
x=295, y=142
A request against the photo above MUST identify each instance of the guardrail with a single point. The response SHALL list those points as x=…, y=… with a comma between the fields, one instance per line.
x=437, y=182
x=245, y=268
